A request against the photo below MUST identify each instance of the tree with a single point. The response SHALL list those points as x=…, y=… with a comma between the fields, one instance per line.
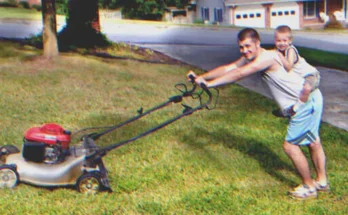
x=49, y=34
x=148, y=9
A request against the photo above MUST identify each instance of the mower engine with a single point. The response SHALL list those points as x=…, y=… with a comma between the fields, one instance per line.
x=46, y=144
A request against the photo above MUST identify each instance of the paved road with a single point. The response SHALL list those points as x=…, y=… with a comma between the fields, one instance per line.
x=208, y=48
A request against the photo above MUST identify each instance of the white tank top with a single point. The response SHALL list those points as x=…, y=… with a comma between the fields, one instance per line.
x=284, y=86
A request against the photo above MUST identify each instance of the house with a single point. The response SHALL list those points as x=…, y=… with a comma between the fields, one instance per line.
x=31, y=2
x=270, y=13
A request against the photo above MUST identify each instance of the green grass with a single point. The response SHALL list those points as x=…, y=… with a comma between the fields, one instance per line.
x=225, y=161
x=20, y=13
x=325, y=59
x=9, y=13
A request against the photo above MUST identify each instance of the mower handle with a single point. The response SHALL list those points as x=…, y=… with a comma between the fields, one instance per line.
x=204, y=88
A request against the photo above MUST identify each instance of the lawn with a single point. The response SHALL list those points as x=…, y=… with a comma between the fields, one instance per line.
x=9, y=13
x=225, y=161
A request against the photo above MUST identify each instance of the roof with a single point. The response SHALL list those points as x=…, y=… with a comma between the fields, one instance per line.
x=246, y=2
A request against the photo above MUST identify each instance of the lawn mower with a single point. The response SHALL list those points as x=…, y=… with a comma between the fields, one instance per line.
x=48, y=160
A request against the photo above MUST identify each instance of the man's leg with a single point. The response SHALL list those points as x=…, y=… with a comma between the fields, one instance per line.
x=300, y=162
x=319, y=161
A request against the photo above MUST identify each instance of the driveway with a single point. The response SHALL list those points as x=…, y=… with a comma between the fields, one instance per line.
x=207, y=48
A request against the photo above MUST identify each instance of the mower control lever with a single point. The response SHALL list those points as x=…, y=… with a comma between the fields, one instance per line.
x=192, y=78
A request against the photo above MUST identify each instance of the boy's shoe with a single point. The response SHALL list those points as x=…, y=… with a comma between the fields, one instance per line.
x=303, y=192
x=322, y=188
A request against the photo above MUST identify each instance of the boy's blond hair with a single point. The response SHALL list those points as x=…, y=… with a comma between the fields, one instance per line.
x=284, y=29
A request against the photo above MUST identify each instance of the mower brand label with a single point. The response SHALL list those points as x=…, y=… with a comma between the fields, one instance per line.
x=50, y=137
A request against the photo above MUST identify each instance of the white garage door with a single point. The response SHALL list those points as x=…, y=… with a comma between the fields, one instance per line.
x=250, y=16
x=285, y=14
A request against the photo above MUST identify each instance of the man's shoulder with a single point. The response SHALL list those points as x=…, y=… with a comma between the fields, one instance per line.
x=268, y=54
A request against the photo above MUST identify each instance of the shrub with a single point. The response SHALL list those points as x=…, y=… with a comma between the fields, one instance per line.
x=24, y=4
x=333, y=23
x=198, y=21
x=37, y=7
x=9, y=3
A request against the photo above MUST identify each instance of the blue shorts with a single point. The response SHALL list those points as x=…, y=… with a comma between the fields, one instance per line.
x=303, y=127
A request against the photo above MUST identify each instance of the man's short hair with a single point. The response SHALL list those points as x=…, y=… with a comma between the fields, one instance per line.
x=284, y=29
x=248, y=33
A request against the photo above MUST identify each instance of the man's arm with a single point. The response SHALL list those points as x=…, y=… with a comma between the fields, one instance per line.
x=222, y=70
x=238, y=73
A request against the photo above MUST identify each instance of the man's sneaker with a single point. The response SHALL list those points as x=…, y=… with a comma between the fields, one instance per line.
x=322, y=188
x=303, y=192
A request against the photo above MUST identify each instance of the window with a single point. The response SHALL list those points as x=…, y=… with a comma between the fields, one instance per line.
x=218, y=15
x=274, y=13
x=286, y=13
x=280, y=13
x=251, y=15
x=292, y=12
x=258, y=15
x=238, y=16
x=310, y=9
x=245, y=16
x=205, y=13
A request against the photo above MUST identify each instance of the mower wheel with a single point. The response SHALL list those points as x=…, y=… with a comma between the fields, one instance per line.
x=8, y=177
x=89, y=183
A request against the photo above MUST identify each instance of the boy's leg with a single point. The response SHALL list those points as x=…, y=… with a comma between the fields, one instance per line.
x=311, y=84
x=306, y=91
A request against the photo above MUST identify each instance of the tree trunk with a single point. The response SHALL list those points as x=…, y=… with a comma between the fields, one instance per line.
x=49, y=34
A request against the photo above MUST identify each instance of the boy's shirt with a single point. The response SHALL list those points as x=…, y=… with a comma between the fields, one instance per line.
x=301, y=67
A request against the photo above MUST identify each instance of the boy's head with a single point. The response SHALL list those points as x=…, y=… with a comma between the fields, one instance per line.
x=249, y=43
x=282, y=37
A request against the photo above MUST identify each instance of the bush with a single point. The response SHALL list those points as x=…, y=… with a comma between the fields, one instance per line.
x=198, y=21
x=62, y=7
x=24, y=4
x=333, y=23
x=9, y=3
x=37, y=7
x=81, y=37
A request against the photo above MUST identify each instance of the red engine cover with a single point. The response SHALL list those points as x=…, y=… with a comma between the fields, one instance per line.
x=50, y=133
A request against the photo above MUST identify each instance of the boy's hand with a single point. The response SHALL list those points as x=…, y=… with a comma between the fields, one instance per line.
x=191, y=73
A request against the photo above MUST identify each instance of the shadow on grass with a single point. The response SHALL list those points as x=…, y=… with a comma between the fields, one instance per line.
x=268, y=160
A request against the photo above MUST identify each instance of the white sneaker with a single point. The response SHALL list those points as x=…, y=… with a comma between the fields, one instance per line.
x=303, y=192
x=322, y=188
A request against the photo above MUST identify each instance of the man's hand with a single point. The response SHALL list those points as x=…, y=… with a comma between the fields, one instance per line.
x=191, y=73
x=200, y=80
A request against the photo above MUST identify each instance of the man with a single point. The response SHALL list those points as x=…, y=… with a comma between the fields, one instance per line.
x=303, y=128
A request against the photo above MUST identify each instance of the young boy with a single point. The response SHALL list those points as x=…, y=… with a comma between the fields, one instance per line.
x=293, y=62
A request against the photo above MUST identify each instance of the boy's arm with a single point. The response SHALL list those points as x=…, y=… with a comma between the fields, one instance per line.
x=289, y=60
x=238, y=73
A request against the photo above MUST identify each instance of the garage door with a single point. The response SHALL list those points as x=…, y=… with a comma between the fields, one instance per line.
x=250, y=16
x=285, y=14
